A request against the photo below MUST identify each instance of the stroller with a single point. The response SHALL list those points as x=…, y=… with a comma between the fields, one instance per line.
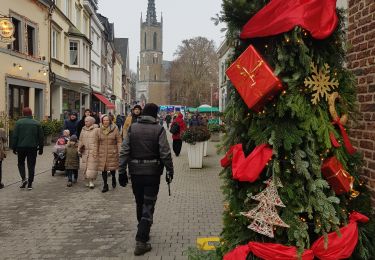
x=59, y=156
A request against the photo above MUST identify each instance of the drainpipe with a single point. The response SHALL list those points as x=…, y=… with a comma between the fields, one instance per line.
x=51, y=77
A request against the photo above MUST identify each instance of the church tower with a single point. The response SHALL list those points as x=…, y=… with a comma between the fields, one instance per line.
x=152, y=85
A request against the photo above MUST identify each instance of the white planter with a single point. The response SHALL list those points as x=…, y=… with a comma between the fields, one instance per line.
x=215, y=137
x=195, y=154
x=205, y=148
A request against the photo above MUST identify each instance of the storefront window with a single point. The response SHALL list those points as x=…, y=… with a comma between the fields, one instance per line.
x=71, y=101
x=18, y=99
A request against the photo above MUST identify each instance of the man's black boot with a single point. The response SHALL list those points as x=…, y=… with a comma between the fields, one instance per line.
x=141, y=248
x=23, y=185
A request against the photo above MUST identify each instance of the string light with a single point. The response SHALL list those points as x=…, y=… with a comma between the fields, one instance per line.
x=287, y=40
x=266, y=46
x=19, y=66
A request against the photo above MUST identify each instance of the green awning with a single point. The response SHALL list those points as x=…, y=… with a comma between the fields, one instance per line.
x=208, y=109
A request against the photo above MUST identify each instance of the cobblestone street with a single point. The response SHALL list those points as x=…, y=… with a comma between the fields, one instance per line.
x=56, y=222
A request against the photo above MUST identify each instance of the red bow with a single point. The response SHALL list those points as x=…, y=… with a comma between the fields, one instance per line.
x=348, y=146
x=339, y=246
x=317, y=16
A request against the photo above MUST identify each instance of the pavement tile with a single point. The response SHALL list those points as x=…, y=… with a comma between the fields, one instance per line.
x=56, y=222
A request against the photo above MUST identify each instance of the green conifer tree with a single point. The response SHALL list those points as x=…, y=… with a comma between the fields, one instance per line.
x=298, y=131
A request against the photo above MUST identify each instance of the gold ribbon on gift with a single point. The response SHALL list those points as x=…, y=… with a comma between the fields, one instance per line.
x=353, y=192
x=251, y=75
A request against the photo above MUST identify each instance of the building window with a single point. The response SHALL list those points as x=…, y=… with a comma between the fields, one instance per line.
x=31, y=43
x=155, y=40
x=55, y=42
x=155, y=77
x=67, y=8
x=85, y=24
x=17, y=35
x=73, y=50
x=78, y=19
x=98, y=75
x=19, y=99
x=145, y=40
x=84, y=56
x=93, y=73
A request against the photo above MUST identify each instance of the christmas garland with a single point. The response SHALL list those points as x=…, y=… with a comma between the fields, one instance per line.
x=339, y=246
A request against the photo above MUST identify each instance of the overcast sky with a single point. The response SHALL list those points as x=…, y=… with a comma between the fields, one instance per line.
x=183, y=19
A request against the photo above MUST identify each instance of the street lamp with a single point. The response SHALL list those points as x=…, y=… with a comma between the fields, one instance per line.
x=211, y=85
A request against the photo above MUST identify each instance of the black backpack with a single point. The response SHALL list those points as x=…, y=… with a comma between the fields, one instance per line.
x=175, y=129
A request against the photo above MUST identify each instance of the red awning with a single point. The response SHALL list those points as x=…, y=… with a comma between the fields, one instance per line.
x=105, y=101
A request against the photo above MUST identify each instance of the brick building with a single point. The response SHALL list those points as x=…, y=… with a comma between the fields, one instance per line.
x=361, y=60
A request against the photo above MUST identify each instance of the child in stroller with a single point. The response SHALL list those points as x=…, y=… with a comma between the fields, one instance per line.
x=59, y=153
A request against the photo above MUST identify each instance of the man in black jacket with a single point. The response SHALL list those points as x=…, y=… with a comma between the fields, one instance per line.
x=71, y=124
x=146, y=152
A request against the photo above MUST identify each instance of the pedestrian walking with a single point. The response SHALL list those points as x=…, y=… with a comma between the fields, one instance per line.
x=88, y=150
x=3, y=155
x=176, y=137
x=96, y=117
x=28, y=139
x=161, y=120
x=119, y=122
x=81, y=122
x=71, y=124
x=195, y=120
x=109, y=148
x=146, y=152
x=168, y=119
x=136, y=112
x=72, y=160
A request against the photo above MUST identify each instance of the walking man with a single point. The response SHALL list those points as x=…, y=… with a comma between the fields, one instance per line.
x=168, y=119
x=146, y=152
x=27, y=140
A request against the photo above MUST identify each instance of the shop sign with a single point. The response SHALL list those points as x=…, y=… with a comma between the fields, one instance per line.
x=6, y=31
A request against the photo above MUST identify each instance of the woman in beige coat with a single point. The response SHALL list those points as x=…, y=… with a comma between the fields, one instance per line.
x=109, y=149
x=88, y=150
x=3, y=140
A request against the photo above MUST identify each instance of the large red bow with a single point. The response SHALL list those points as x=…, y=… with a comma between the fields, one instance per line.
x=317, y=16
x=339, y=247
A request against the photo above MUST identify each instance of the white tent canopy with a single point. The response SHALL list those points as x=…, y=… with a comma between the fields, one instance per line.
x=204, y=105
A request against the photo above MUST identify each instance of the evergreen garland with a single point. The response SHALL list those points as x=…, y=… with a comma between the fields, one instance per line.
x=299, y=134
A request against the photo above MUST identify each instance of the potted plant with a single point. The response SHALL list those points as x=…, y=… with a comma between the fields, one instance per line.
x=57, y=127
x=215, y=130
x=47, y=127
x=195, y=137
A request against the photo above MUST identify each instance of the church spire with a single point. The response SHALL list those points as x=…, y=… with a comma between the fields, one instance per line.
x=151, y=12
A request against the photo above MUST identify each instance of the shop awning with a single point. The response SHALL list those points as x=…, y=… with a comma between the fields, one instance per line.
x=105, y=101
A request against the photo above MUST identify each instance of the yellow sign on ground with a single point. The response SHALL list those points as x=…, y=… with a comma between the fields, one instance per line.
x=208, y=243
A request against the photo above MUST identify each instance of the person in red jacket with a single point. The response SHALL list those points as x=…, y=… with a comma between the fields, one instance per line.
x=177, y=142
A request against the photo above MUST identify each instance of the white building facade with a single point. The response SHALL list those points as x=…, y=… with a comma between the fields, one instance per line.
x=70, y=58
x=225, y=53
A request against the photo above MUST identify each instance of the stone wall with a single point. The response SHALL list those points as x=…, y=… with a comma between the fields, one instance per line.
x=361, y=60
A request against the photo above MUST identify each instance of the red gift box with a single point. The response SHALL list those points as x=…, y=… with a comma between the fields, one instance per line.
x=254, y=79
x=339, y=179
